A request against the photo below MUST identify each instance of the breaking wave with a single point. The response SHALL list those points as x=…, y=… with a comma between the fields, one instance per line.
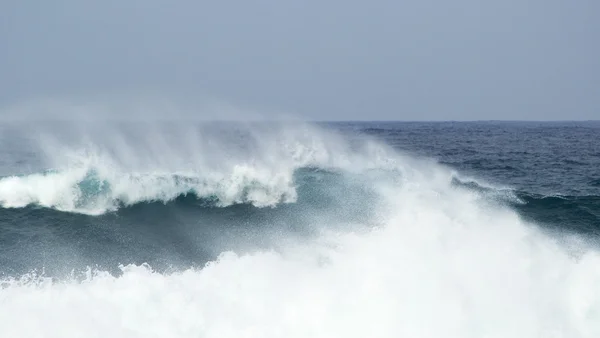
x=91, y=191
x=439, y=258
x=255, y=168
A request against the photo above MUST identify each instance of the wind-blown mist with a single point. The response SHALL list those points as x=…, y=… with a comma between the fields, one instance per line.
x=313, y=232
x=97, y=170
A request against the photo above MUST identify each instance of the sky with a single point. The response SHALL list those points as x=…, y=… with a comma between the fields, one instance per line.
x=316, y=60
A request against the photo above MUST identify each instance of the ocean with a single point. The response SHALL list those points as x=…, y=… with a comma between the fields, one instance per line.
x=281, y=229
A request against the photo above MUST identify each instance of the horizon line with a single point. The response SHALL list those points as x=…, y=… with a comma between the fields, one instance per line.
x=278, y=120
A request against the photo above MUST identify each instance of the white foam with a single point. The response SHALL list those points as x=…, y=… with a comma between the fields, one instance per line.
x=442, y=266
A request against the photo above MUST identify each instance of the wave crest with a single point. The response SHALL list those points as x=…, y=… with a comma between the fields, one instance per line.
x=90, y=191
x=229, y=165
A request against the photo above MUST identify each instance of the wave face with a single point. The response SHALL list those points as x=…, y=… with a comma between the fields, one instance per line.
x=279, y=230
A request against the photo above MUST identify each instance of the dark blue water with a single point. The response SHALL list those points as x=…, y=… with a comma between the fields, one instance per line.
x=554, y=167
x=551, y=170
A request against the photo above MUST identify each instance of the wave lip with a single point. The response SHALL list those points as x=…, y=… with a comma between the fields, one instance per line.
x=90, y=191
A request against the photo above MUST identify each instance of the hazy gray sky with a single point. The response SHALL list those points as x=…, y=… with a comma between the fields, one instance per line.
x=395, y=60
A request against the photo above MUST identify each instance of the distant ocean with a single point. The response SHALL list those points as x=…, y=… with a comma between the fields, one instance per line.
x=346, y=229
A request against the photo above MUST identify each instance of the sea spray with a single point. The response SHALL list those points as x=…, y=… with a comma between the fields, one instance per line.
x=128, y=164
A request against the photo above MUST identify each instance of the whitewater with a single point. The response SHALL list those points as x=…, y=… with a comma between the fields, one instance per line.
x=421, y=257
